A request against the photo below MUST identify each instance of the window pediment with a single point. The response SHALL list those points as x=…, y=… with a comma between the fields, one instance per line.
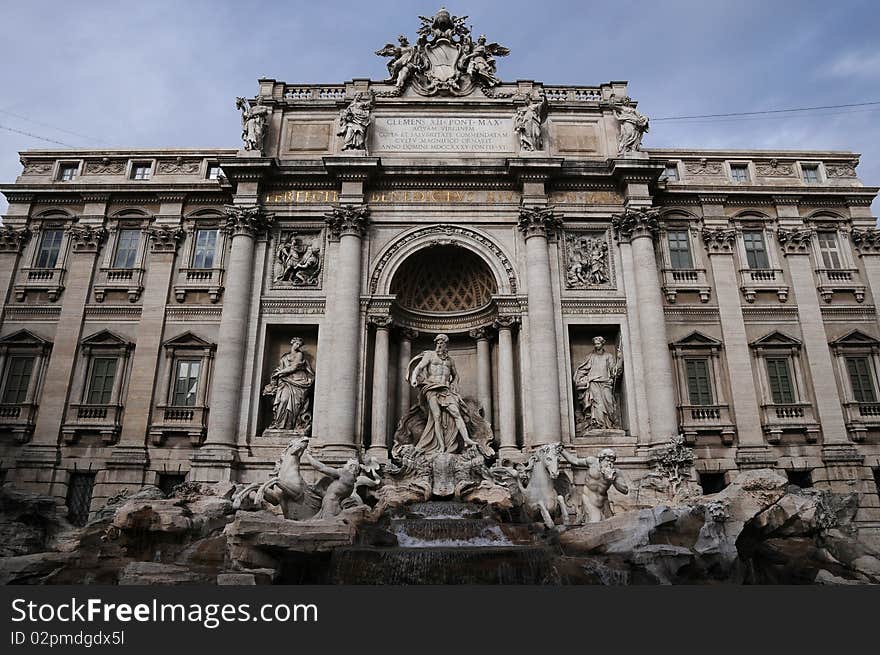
x=106, y=340
x=24, y=338
x=777, y=339
x=696, y=339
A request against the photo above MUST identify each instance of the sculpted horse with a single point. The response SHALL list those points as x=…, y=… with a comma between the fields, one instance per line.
x=286, y=486
x=539, y=495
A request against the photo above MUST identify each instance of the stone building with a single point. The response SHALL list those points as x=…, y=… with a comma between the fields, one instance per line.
x=150, y=294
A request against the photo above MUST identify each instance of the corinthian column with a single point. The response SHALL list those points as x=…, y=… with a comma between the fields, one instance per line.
x=506, y=391
x=536, y=223
x=484, y=371
x=348, y=223
x=379, y=416
x=243, y=224
x=639, y=227
x=403, y=357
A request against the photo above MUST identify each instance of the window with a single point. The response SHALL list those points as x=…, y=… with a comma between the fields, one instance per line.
x=50, y=247
x=811, y=173
x=205, y=248
x=127, y=248
x=712, y=483
x=214, y=171
x=779, y=376
x=18, y=379
x=101, y=381
x=829, y=248
x=861, y=379
x=739, y=172
x=671, y=173
x=168, y=481
x=66, y=172
x=756, y=251
x=186, y=383
x=699, y=385
x=802, y=479
x=79, y=497
x=141, y=171
x=679, y=249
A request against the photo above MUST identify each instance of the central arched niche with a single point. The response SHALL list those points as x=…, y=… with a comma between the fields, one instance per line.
x=443, y=279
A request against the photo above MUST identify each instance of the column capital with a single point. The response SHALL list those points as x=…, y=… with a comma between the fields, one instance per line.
x=795, y=242
x=12, y=239
x=247, y=220
x=719, y=241
x=636, y=222
x=505, y=322
x=408, y=333
x=480, y=333
x=867, y=241
x=164, y=239
x=382, y=322
x=86, y=238
x=538, y=221
x=348, y=220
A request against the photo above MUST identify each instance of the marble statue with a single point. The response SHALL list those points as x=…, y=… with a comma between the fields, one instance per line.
x=594, y=382
x=436, y=378
x=405, y=60
x=538, y=485
x=354, y=121
x=297, y=262
x=527, y=124
x=479, y=62
x=587, y=262
x=633, y=126
x=290, y=385
x=253, y=123
x=300, y=500
x=601, y=475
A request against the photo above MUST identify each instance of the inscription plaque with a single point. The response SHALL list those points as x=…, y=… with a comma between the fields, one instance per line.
x=442, y=134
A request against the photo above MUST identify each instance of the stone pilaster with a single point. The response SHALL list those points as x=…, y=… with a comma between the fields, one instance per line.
x=37, y=462
x=796, y=245
x=639, y=227
x=720, y=244
x=484, y=370
x=404, y=355
x=537, y=224
x=379, y=415
x=214, y=460
x=506, y=430
x=635, y=363
x=347, y=224
x=12, y=242
x=867, y=246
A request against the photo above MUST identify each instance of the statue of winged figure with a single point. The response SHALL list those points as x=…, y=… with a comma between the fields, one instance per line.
x=479, y=61
x=405, y=60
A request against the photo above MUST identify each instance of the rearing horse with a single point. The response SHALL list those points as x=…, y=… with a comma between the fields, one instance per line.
x=539, y=495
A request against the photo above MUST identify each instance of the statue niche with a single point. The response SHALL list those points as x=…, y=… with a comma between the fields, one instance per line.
x=596, y=389
x=290, y=388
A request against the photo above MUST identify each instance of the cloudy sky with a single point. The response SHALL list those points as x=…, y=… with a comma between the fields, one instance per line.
x=166, y=73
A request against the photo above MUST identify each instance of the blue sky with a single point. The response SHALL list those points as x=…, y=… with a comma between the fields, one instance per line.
x=112, y=74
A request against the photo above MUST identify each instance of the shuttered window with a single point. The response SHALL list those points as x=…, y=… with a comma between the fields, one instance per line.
x=756, y=251
x=779, y=376
x=18, y=378
x=126, y=248
x=829, y=248
x=679, y=250
x=101, y=382
x=859, y=369
x=699, y=386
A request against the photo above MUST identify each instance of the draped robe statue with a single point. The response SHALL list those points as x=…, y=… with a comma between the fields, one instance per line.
x=290, y=386
x=594, y=382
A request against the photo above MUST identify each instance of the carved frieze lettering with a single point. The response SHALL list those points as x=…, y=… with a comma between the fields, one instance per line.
x=476, y=134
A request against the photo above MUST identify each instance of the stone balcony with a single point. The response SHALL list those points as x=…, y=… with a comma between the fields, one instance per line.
x=184, y=419
x=789, y=417
x=128, y=280
x=754, y=280
x=840, y=280
x=18, y=419
x=49, y=280
x=697, y=420
x=103, y=419
x=206, y=280
x=861, y=417
x=676, y=280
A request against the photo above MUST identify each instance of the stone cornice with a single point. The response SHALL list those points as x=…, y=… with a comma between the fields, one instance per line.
x=635, y=223
x=795, y=242
x=348, y=220
x=247, y=220
x=538, y=221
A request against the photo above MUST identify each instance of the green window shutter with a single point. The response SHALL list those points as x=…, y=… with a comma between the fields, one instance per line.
x=860, y=378
x=778, y=374
x=101, y=384
x=18, y=379
x=699, y=387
